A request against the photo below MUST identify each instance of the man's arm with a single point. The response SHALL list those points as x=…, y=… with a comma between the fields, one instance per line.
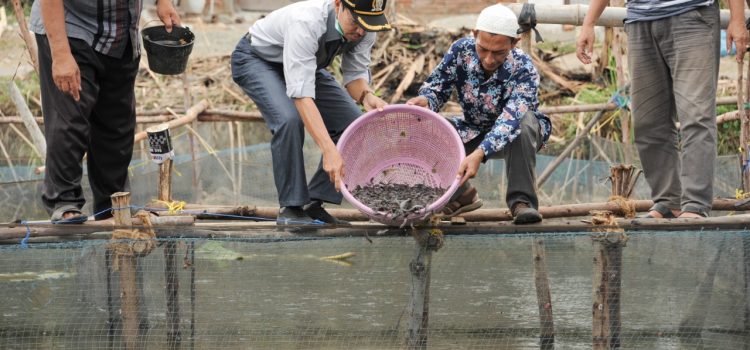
x=65, y=72
x=360, y=91
x=585, y=42
x=736, y=30
x=333, y=164
x=355, y=67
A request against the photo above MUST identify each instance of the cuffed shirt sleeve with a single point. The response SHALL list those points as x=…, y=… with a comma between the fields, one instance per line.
x=439, y=85
x=355, y=64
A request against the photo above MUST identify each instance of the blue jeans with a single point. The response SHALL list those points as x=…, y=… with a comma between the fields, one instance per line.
x=264, y=83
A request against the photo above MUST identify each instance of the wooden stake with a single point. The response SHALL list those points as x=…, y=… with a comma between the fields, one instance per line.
x=607, y=280
x=419, y=298
x=171, y=278
x=543, y=295
x=165, y=180
x=126, y=265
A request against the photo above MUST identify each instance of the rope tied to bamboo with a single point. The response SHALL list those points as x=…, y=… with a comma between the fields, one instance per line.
x=137, y=242
x=627, y=206
x=173, y=207
x=527, y=21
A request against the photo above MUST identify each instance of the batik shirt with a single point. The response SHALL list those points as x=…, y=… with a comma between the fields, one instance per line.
x=492, y=106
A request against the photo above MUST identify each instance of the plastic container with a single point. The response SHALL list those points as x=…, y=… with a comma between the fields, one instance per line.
x=402, y=144
x=167, y=52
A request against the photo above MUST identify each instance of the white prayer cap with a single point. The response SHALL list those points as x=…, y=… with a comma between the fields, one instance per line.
x=498, y=19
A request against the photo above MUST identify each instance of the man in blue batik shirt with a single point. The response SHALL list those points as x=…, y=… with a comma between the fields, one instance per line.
x=497, y=87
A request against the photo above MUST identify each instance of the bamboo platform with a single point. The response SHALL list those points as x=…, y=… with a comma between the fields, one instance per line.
x=185, y=227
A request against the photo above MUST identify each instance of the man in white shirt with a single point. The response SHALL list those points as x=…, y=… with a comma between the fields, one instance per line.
x=280, y=64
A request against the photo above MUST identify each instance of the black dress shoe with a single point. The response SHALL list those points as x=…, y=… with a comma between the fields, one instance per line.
x=316, y=211
x=294, y=216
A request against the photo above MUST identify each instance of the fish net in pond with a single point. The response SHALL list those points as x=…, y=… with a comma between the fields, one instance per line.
x=403, y=145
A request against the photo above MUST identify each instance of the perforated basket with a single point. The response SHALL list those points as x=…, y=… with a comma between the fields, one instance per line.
x=401, y=145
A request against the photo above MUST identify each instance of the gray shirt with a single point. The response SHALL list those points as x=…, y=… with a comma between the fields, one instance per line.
x=650, y=10
x=108, y=26
x=303, y=37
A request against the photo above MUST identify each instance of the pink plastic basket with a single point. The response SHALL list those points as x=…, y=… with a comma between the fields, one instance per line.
x=405, y=145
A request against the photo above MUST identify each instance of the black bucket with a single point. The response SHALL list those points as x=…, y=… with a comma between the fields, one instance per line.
x=167, y=52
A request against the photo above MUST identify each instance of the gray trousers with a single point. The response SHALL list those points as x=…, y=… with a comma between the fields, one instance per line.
x=520, y=163
x=674, y=65
x=101, y=125
x=264, y=83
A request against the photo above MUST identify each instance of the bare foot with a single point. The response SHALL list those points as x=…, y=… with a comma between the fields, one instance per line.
x=689, y=215
x=69, y=214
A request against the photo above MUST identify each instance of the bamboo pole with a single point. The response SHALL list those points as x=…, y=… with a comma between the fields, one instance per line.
x=45, y=228
x=480, y=215
x=191, y=114
x=40, y=144
x=619, y=49
x=25, y=34
x=574, y=14
x=269, y=230
x=568, y=150
x=126, y=265
x=218, y=115
x=191, y=136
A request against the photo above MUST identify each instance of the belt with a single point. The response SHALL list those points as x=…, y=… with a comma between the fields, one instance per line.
x=248, y=37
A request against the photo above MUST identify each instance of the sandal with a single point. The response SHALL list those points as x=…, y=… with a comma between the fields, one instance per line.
x=662, y=209
x=465, y=202
x=58, y=216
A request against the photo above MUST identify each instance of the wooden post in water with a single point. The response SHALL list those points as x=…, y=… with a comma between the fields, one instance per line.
x=171, y=276
x=126, y=266
x=419, y=299
x=543, y=296
x=607, y=280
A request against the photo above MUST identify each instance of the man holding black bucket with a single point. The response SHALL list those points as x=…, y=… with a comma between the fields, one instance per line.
x=497, y=89
x=280, y=63
x=89, y=53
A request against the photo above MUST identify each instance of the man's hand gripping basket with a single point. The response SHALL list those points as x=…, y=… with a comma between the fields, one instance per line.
x=401, y=145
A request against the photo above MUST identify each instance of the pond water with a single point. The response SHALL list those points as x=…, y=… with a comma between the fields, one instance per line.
x=284, y=294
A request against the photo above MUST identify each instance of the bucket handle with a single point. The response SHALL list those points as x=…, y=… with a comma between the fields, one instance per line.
x=146, y=25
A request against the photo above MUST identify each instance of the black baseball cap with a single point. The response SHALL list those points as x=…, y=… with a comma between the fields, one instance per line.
x=369, y=14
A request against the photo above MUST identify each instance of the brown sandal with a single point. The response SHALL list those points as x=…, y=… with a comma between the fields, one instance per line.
x=466, y=202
